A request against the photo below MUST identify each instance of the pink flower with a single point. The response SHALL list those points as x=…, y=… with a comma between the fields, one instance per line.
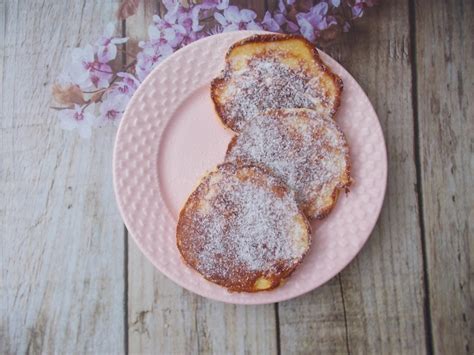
x=269, y=23
x=88, y=68
x=164, y=37
x=180, y=26
x=81, y=65
x=281, y=17
x=106, y=45
x=172, y=7
x=215, y=4
x=87, y=72
x=191, y=37
x=319, y=11
x=306, y=29
x=153, y=52
x=127, y=85
x=234, y=19
x=314, y=21
x=164, y=32
x=196, y=27
x=359, y=6
x=100, y=75
x=146, y=59
x=188, y=18
x=112, y=108
x=77, y=118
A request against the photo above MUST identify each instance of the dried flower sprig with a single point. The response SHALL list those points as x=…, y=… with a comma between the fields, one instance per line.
x=93, y=92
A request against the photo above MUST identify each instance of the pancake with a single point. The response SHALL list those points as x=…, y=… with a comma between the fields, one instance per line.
x=308, y=152
x=273, y=71
x=242, y=229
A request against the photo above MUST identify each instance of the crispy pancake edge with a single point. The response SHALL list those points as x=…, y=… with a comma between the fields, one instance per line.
x=265, y=38
x=275, y=280
x=343, y=184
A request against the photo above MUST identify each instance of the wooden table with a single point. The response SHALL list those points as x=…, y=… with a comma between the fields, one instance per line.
x=73, y=282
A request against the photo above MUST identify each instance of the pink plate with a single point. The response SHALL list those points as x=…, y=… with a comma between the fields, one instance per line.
x=170, y=136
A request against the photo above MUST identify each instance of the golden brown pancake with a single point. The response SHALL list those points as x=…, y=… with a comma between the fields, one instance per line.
x=273, y=71
x=308, y=152
x=242, y=229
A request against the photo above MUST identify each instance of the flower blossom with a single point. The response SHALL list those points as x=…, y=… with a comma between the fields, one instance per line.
x=112, y=108
x=215, y=4
x=281, y=18
x=269, y=23
x=187, y=18
x=314, y=21
x=127, y=85
x=90, y=79
x=234, y=19
x=359, y=5
x=77, y=118
x=117, y=98
x=107, y=44
x=89, y=68
x=86, y=71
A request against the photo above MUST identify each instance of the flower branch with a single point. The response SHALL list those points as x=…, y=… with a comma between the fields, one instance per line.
x=93, y=93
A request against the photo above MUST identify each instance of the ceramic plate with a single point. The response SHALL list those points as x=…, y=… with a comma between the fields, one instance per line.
x=170, y=136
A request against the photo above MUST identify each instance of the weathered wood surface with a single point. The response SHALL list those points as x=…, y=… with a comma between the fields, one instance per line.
x=445, y=97
x=70, y=284
x=376, y=304
x=62, y=237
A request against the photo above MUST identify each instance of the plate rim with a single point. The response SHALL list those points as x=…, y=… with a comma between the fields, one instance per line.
x=190, y=288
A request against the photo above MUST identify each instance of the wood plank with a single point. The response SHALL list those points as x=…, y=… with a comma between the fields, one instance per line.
x=445, y=92
x=314, y=323
x=62, y=237
x=161, y=314
x=164, y=316
x=378, y=307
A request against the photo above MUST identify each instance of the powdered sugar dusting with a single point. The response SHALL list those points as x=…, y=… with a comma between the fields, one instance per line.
x=245, y=227
x=267, y=83
x=308, y=152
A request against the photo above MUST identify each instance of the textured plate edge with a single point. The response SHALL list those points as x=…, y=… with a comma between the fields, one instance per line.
x=255, y=301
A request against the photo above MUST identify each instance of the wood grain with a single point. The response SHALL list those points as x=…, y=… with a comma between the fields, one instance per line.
x=378, y=306
x=167, y=317
x=62, y=237
x=63, y=283
x=445, y=92
x=164, y=316
x=314, y=323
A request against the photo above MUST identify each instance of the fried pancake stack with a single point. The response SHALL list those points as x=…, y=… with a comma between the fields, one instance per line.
x=245, y=226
